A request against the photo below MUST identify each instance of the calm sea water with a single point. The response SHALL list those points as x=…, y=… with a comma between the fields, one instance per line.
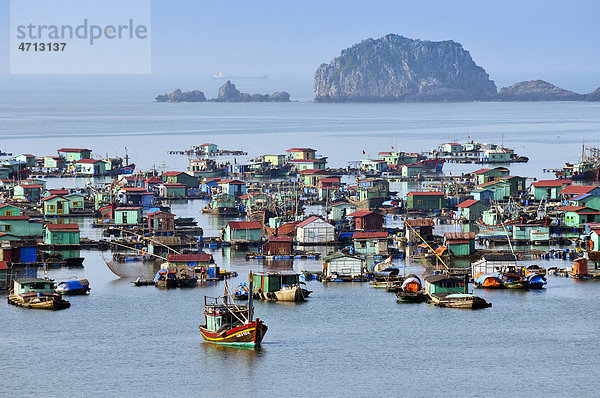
x=348, y=339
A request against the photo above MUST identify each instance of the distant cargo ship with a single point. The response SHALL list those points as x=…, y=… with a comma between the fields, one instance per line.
x=220, y=75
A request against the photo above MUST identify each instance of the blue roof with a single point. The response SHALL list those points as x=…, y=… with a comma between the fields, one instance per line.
x=582, y=196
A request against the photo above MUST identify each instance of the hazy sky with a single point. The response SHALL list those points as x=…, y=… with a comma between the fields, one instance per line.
x=521, y=39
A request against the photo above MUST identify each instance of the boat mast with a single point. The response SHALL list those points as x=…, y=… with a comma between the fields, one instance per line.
x=250, y=294
x=583, y=149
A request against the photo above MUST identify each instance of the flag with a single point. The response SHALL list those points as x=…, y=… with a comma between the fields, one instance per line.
x=364, y=152
x=448, y=135
x=392, y=147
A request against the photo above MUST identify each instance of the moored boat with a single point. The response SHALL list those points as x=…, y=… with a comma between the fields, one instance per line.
x=36, y=293
x=487, y=281
x=511, y=281
x=73, y=287
x=452, y=292
x=411, y=290
x=535, y=281
x=279, y=286
x=166, y=278
x=227, y=323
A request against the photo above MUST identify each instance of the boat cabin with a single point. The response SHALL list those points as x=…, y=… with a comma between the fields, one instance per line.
x=445, y=284
x=273, y=281
x=28, y=285
x=218, y=315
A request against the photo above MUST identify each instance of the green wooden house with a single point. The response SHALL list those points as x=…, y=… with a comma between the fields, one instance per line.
x=500, y=189
x=442, y=283
x=343, y=266
x=548, y=189
x=21, y=226
x=29, y=192
x=482, y=176
x=10, y=210
x=90, y=167
x=517, y=184
x=470, y=209
x=180, y=177
x=340, y=210
x=27, y=158
x=370, y=243
x=209, y=148
x=173, y=190
x=61, y=234
x=55, y=205
x=243, y=232
x=128, y=215
x=460, y=243
x=530, y=233
x=411, y=170
x=54, y=163
x=577, y=216
x=425, y=200
x=275, y=160
x=74, y=154
x=76, y=201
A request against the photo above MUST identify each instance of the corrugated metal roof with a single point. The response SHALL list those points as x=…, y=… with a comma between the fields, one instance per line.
x=433, y=193
x=62, y=227
x=419, y=222
x=74, y=150
x=551, y=183
x=577, y=189
x=369, y=235
x=467, y=203
x=244, y=225
x=459, y=235
x=189, y=258
x=308, y=221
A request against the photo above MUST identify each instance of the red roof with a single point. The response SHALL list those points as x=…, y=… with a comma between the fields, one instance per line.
x=3, y=265
x=134, y=189
x=190, y=258
x=172, y=173
x=308, y=221
x=369, y=235
x=174, y=185
x=207, y=144
x=58, y=192
x=384, y=153
x=246, y=196
x=425, y=193
x=300, y=150
x=281, y=239
x=480, y=171
x=570, y=208
x=362, y=213
x=467, y=203
x=306, y=160
x=128, y=208
x=28, y=155
x=551, y=183
x=62, y=227
x=74, y=150
x=244, y=225
x=153, y=180
x=234, y=182
x=52, y=197
x=459, y=236
x=419, y=222
x=31, y=186
x=14, y=217
x=209, y=179
x=329, y=179
x=88, y=161
x=313, y=171
x=578, y=189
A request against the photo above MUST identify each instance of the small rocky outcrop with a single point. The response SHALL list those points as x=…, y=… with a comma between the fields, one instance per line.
x=537, y=90
x=593, y=97
x=229, y=93
x=395, y=68
x=179, y=96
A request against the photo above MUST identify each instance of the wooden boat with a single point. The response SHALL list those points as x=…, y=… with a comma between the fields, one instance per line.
x=452, y=292
x=143, y=282
x=394, y=286
x=279, y=286
x=535, y=281
x=166, y=278
x=411, y=290
x=227, y=323
x=242, y=292
x=511, y=281
x=36, y=293
x=487, y=281
x=186, y=277
x=73, y=287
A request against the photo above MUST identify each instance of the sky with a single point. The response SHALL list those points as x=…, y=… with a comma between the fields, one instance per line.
x=511, y=40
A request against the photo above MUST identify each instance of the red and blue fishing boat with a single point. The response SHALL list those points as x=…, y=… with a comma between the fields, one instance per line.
x=227, y=323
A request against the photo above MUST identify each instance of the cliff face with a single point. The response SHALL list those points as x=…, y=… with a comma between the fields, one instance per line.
x=395, y=68
x=593, y=97
x=537, y=90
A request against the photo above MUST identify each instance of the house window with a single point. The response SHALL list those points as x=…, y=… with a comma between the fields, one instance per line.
x=7, y=228
x=50, y=207
x=419, y=202
x=8, y=213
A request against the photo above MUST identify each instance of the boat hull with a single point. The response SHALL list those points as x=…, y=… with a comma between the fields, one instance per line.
x=461, y=301
x=52, y=304
x=410, y=297
x=250, y=335
x=293, y=294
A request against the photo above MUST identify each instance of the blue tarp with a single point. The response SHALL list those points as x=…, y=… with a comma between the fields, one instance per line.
x=72, y=285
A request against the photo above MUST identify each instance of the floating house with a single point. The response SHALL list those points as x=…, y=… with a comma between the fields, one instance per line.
x=377, y=166
x=517, y=184
x=585, y=200
x=20, y=226
x=180, y=177
x=301, y=153
x=76, y=201
x=422, y=226
x=27, y=158
x=232, y=187
x=10, y=210
x=136, y=196
x=243, y=232
x=74, y=154
x=327, y=187
x=483, y=195
x=577, y=216
x=312, y=176
x=576, y=190
x=460, y=243
x=343, y=266
x=548, y=189
x=161, y=222
x=209, y=148
x=470, y=209
x=482, y=176
x=315, y=230
x=308, y=164
x=54, y=163
x=61, y=234
x=426, y=200
x=91, y=167
x=340, y=210
x=370, y=243
x=534, y=233
x=191, y=260
x=275, y=160
x=128, y=215
x=411, y=170
x=490, y=263
x=173, y=191
x=366, y=220
x=278, y=246
x=30, y=192
x=500, y=189
x=55, y=205
x=151, y=183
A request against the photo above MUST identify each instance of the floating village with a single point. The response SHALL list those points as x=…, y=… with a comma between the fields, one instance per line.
x=467, y=232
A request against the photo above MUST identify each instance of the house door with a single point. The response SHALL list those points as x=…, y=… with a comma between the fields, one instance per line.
x=124, y=218
x=59, y=207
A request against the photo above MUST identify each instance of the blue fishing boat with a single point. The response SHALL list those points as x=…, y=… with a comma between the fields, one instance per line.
x=535, y=281
x=73, y=287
